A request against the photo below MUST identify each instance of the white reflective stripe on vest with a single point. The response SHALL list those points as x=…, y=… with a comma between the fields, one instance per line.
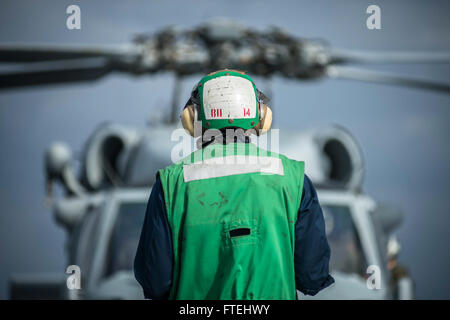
x=230, y=165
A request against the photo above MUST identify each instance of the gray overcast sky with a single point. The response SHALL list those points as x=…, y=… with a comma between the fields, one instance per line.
x=403, y=132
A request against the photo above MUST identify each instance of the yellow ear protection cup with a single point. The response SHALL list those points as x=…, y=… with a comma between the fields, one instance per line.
x=265, y=119
x=188, y=117
x=190, y=113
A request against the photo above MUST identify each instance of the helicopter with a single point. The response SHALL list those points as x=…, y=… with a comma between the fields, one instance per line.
x=103, y=205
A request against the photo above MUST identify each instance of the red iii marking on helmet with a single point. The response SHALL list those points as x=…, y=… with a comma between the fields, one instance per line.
x=216, y=113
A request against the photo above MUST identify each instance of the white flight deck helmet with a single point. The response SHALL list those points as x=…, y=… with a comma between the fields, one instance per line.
x=226, y=99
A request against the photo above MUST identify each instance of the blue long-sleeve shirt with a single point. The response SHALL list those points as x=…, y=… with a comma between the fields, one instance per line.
x=153, y=265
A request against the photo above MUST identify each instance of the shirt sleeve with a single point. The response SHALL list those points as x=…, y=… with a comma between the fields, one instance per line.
x=312, y=252
x=153, y=263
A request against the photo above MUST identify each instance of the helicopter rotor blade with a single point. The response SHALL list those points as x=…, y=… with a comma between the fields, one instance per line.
x=40, y=73
x=354, y=56
x=361, y=74
x=39, y=52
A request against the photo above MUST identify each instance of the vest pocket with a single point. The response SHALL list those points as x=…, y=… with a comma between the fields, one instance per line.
x=240, y=232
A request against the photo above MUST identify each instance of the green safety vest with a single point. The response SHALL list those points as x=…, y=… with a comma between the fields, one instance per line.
x=233, y=223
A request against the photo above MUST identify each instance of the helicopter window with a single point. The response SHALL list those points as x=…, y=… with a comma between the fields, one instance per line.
x=125, y=237
x=347, y=255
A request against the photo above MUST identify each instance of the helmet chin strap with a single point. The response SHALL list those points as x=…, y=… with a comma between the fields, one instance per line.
x=261, y=109
x=195, y=113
